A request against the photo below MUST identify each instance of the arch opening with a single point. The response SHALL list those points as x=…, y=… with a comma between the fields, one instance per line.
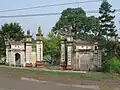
x=17, y=59
x=85, y=62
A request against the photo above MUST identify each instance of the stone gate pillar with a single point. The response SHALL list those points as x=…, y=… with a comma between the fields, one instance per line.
x=7, y=52
x=63, y=54
x=97, y=59
x=69, y=49
x=69, y=55
x=28, y=44
x=39, y=48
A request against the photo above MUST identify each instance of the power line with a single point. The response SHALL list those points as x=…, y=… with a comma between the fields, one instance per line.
x=31, y=15
x=52, y=5
x=96, y=11
x=46, y=14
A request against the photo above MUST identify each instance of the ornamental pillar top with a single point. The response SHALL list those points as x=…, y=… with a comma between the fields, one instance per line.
x=70, y=34
x=28, y=37
x=39, y=34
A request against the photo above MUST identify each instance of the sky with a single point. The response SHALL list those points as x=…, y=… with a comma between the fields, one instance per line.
x=47, y=22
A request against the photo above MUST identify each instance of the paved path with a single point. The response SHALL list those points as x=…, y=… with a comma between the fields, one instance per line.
x=9, y=82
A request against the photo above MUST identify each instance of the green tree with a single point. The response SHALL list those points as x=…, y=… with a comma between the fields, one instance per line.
x=106, y=21
x=108, y=31
x=82, y=25
x=52, y=46
x=107, y=27
x=10, y=31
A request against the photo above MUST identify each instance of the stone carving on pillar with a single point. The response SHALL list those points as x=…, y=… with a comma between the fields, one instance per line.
x=39, y=47
x=66, y=48
x=63, y=54
x=97, y=60
x=28, y=42
x=69, y=48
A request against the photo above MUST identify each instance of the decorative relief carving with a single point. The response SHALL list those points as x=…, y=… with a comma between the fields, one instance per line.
x=69, y=55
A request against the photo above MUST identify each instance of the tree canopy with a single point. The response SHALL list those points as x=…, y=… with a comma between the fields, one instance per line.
x=83, y=26
x=10, y=31
x=107, y=27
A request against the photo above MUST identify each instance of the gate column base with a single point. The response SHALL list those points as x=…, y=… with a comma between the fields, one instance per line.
x=69, y=67
x=39, y=64
x=62, y=67
x=28, y=65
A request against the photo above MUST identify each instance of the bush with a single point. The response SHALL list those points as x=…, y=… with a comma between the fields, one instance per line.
x=112, y=65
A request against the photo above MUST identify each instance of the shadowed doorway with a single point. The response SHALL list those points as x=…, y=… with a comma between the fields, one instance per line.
x=17, y=59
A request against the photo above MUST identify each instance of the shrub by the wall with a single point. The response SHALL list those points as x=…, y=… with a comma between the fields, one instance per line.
x=112, y=65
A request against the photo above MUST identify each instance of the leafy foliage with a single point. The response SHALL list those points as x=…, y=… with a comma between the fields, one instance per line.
x=106, y=21
x=82, y=25
x=112, y=65
x=52, y=46
x=12, y=31
x=107, y=29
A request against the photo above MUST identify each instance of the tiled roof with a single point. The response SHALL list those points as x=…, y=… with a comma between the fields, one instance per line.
x=83, y=42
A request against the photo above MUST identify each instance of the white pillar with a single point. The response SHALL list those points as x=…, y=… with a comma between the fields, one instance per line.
x=11, y=57
x=69, y=48
x=23, y=58
x=7, y=55
x=77, y=61
x=62, y=52
x=14, y=62
x=41, y=50
x=28, y=49
x=38, y=50
x=69, y=56
x=28, y=52
x=39, y=47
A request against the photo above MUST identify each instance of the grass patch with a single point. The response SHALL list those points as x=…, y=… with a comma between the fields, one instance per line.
x=88, y=76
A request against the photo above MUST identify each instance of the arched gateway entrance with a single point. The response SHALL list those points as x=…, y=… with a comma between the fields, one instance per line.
x=17, y=59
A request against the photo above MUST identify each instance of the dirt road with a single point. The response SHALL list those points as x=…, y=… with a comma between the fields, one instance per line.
x=11, y=82
x=24, y=79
